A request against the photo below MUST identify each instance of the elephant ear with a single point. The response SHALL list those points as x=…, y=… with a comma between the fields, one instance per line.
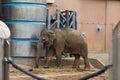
x=52, y=34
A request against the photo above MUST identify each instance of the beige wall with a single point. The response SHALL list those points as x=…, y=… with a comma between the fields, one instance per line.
x=91, y=13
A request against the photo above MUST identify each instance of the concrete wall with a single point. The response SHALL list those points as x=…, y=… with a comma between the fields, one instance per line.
x=91, y=13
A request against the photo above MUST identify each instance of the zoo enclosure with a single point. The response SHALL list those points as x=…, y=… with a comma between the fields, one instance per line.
x=6, y=60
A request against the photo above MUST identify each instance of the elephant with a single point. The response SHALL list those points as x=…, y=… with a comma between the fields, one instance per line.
x=63, y=40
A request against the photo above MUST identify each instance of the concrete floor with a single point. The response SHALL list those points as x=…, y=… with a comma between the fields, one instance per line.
x=97, y=60
x=103, y=57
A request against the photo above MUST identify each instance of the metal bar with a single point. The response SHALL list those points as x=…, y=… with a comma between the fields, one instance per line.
x=53, y=23
x=71, y=14
x=71, y=23
x=48, y=19
x=58, y=18
x=62, y=24
x=63, y=17
x=6, y=54
x=73, y=20
x=67, y=18
x=1, y=59
x=62, y=20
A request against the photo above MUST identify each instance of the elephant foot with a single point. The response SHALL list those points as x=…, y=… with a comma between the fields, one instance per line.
x=46, y=67
x=87, y=68
x=76, y=67
x=59, y=67
x=36, y=66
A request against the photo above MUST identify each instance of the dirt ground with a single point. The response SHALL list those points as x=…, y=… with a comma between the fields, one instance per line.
x=66, y=73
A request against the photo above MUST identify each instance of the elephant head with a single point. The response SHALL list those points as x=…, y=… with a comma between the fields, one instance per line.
x=47, y=37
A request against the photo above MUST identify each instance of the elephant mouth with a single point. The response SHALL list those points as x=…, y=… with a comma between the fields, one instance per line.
x=48, y=43
x=45, y=40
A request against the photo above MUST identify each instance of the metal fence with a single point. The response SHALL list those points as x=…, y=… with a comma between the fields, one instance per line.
x=61, y=19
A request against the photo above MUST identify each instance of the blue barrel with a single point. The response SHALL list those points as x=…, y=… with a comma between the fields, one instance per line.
x=26, y=19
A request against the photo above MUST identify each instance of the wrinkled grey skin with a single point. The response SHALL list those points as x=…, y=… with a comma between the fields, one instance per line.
x=64, y=40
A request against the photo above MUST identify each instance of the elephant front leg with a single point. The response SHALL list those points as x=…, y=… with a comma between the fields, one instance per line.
x=48, y=58
x=59, y=59
x=86, y=60
x=39, y=50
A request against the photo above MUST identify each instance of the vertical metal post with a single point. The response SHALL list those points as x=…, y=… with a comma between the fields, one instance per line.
x=58, y=18
x=115, y=70
x=73, y=19
x=48, y=19
x=1, y=59
x=5, y=64
x=67, y=18
x=61, y=20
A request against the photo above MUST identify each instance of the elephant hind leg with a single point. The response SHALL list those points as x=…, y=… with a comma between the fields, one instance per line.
x=47, y=62
x=86, y=62
x=76, y=61
x=85, y=58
